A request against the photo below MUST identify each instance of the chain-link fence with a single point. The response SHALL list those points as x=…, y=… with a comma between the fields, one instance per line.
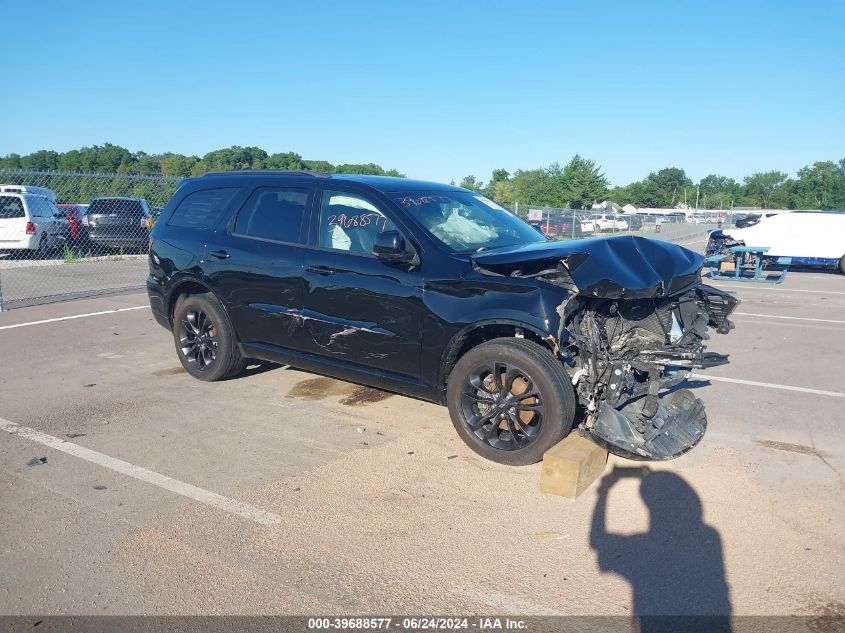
x=571, y=224
x=65, y=235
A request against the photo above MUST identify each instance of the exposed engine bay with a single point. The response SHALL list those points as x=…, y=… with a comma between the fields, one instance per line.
x=625, y=353
x=633, y=328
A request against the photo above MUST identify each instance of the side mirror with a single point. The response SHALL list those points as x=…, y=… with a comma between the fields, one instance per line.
x=390, y=246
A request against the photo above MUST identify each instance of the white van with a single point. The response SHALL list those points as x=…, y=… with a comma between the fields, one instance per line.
x=30, y=219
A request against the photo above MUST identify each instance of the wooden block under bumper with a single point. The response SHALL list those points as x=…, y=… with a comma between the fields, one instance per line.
x=571, y=465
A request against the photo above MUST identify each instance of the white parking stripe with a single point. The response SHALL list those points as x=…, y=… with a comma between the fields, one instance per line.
x=769, y=385
x=151, y=477
x=68, y=318
x=791, y=318
x=747, y=286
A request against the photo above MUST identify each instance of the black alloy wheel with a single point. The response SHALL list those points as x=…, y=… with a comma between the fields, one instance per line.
x=198, y=338
x=501, y=406
x=204, y=338
x=510, y=400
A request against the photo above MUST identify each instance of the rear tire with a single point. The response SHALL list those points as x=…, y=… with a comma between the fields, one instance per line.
x=513, y=420
x=204, y=338
x=842, y=265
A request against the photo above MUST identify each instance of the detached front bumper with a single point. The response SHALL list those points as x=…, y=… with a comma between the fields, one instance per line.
x=676, y=427
x=641, y=414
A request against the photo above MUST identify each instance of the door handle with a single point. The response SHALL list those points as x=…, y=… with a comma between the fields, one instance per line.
x=219, y=254
x=319, y=270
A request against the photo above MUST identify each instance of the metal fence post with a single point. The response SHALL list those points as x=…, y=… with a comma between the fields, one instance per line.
x=1, y=292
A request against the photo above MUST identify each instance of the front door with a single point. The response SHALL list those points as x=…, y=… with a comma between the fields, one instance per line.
x=360, y=309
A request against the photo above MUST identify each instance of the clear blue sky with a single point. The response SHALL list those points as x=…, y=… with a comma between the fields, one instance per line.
x=436, y=89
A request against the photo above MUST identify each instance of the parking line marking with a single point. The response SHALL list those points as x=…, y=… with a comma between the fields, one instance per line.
x=68, y=318
x=792, y=318
x=207, y=497
x=769, y=385
x=748, y=287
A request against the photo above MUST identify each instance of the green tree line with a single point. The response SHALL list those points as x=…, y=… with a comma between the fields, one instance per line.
x=113, y=159
x=580, y=183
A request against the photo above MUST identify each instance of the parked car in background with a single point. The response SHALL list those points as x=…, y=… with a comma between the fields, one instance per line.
x=436, y=292
x=609, y=222
x=77, y=233
x=537, y=226
x=118, y=222
x=635, y=222
x=747, y=220
x=30, y=220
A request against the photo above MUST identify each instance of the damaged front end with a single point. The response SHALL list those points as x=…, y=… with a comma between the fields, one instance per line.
x=627, y=353
x=633, y=328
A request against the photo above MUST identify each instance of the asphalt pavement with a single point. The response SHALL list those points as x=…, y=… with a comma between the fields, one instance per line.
x=130, y=488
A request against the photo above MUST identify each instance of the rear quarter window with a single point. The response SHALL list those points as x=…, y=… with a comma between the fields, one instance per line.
x=202, y=209
x=11, y=207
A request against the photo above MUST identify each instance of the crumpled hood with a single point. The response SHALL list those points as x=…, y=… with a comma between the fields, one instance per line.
x=626, y=266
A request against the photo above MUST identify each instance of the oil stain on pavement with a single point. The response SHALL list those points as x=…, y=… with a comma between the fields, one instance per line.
x=351, y=394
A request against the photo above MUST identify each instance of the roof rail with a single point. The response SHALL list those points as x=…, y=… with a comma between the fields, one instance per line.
x=38, y=191
x=269, y=172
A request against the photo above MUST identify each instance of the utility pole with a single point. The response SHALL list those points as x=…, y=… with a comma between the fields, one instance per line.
x=697, y=192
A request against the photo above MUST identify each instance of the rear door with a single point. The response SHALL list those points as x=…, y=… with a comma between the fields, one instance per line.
x=12, y=219
x=255, y=264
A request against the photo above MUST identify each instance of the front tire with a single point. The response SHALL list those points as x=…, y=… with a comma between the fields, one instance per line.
x=510, y=400
x=842, y=265
x=204, y=338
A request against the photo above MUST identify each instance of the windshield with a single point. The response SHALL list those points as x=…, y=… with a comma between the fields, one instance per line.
x=466, y=222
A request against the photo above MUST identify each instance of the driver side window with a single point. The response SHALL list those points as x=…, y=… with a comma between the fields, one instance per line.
x=350, y=223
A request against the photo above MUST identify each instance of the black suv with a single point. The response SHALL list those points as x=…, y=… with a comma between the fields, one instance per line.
x=437, y=292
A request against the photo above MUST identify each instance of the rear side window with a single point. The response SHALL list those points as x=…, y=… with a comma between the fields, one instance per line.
x=202, y=209
x=119, y=206
x=11, y=207
x=40, y=207
x=273, y=213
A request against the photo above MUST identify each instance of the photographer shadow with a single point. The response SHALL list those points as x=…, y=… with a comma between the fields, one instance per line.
x=676, y=569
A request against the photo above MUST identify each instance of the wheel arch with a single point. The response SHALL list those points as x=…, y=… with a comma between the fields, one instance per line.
x=482, y=331
x=185, y=287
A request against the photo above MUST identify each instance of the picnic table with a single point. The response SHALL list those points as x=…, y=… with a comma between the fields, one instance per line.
x=748, y=265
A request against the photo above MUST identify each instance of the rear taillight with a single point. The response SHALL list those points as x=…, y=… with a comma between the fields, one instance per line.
x=30, y=228
x=85, y=220
x=145, y=223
